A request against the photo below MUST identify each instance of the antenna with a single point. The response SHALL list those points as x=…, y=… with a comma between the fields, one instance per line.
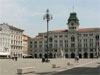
x=73, y=6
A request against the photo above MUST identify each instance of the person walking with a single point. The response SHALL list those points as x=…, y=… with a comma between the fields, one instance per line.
x=16, y=58
x=12, y=57
x=77, y=58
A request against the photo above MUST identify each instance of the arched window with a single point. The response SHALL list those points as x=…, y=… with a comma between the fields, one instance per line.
x=50, y=40
x=72, y=55
x=73, y=39
x=97, y=37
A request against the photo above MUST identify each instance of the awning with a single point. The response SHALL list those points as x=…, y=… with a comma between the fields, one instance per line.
x=4, y=53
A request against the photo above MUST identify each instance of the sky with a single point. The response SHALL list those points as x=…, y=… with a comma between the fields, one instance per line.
x=28, y=14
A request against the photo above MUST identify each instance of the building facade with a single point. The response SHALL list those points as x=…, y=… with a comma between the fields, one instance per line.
x=5, y=38
x=68, y=43
x=25, y=45
x=11, y=39
x=16, y=41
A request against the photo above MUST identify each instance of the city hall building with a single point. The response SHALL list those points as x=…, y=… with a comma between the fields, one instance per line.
x=67, y=43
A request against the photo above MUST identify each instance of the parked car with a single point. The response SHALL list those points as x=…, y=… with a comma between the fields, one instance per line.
x=28, y=56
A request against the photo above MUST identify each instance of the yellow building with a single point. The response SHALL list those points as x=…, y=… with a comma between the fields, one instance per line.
x=25, y=44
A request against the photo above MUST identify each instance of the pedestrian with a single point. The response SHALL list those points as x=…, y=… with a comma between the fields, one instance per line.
x=9, y=56
x=77, y=58
x=16, y=58
x=12, y=57
x=43, y=59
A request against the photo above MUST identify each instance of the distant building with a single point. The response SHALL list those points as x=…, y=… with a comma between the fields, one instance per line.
x=67, y=43
x=12, y=39
x=16, y=41
x=25, y=45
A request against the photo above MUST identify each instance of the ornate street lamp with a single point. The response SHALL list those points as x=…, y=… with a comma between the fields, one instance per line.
x=78, y=43
x=97, y=49
x=47, y=17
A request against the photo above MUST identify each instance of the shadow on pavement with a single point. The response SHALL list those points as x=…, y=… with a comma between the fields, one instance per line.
x=45, y=73
x=79, y=71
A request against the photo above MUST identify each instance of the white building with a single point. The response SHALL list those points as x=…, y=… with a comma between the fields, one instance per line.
x=16, y=41
x=67, y=43
x=11, y=40
x=5, y=40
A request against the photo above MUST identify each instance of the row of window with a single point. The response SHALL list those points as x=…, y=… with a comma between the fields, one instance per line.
x=72, y=27
x=64, y=41
x=16, y=37
x=85, y=35
x=65, y=45
x=66, y=50
x=97, y=38
x=16, y=47
x=16, y=42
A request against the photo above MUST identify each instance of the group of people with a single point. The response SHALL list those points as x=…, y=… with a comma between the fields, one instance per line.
x=13, y=57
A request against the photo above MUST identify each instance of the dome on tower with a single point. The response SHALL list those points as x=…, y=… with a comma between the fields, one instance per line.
x=73, y=17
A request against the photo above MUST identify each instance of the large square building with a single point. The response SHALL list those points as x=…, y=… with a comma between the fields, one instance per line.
x=68, y=43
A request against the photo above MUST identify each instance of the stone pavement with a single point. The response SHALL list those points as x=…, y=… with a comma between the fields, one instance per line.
x=84, y=69
x=9, y=67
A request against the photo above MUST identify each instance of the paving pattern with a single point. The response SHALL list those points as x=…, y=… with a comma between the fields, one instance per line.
x=9, y=66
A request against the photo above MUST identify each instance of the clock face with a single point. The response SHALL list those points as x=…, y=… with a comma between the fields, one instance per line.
x=72, y=23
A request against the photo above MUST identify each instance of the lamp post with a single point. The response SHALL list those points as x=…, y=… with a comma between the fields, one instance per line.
x=78, y=43
x=47, y=17
x=97, y=49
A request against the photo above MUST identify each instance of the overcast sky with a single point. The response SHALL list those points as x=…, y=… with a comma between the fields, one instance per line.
x=28, y=14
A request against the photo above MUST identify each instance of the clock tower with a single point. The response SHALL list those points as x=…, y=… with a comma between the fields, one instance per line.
x=73, y=22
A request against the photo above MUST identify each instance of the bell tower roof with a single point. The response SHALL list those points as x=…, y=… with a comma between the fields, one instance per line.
x=73, y=17
x=73, y=22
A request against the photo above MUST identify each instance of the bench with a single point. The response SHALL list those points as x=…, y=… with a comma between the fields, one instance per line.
x=25, y=70
x=55, y=66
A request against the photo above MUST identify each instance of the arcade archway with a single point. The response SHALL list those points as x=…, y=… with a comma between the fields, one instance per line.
x=80, y=55
x=40, y=55
x=66, y=55
x=72, y=55
x=91, y=55
x=35, y=55
x=85, y=55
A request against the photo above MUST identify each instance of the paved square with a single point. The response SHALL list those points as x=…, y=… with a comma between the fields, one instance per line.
x=9, y=66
